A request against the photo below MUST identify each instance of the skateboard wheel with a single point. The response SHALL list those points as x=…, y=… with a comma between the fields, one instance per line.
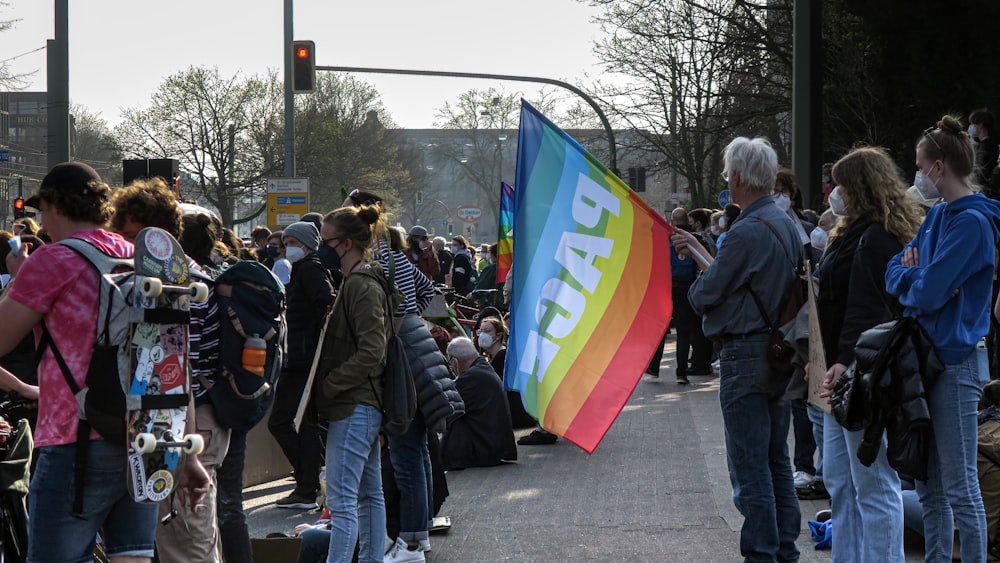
x=194, y=444
x=199, y=292
x=145, y=443
x=151, y=287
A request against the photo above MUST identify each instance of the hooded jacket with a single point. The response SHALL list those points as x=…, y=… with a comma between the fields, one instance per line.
x=352, y=362
x=437, y=397
x=950, y=290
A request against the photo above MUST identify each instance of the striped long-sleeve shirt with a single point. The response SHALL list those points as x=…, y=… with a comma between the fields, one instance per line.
x=204, y=338
x=416, y=288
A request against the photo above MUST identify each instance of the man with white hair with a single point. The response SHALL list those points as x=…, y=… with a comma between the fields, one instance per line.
x=444, y=259
x=483, y=436
x=758, y=258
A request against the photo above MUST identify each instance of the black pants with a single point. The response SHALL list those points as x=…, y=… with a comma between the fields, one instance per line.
x=805, y=442
x=233, y=533
x=303, y=449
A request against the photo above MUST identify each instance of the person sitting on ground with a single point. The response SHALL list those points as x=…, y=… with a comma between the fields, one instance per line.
x=493, y=341
x=483, y=437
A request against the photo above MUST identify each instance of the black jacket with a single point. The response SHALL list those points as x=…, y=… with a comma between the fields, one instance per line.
x=852, y=296
x=309, y=294
x=437, y=398
x=483, y=437
x=897, y=394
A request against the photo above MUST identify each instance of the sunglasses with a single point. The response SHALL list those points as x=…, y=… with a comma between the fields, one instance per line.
x=927, y=133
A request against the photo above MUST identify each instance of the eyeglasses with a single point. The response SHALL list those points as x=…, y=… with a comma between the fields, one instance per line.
x=725, y=176
x=927, y=133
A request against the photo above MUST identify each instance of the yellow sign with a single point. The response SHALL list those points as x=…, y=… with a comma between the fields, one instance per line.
x=287, y=200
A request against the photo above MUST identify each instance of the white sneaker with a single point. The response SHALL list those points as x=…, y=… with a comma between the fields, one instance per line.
x=425, y=545
x=399, y=553
x=802, y=479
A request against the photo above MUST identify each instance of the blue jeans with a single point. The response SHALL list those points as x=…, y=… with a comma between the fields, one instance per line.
x=354, y=486
x=54, y=534
x=411, y=463
x=867, y=502
x=315, y=545
x=951, y=492
x=756, y=417
x=818, y=422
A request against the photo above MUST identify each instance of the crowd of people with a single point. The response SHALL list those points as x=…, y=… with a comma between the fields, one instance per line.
x=335, y=269
x=883, y=249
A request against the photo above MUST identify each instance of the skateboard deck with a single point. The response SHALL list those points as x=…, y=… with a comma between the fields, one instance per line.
x=158, y=363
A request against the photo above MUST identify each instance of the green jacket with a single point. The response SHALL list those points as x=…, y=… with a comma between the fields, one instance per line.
x=353, y=357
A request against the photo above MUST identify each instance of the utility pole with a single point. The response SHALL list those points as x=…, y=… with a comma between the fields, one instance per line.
x=58, y=87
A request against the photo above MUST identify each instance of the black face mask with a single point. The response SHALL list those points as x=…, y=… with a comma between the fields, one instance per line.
x=328, y=257
x=684, y=227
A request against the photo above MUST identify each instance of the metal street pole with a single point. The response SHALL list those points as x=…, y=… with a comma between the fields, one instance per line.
x=612, y=148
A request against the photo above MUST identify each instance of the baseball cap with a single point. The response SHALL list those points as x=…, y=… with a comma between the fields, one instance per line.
x=418, y=231
x=70, y=177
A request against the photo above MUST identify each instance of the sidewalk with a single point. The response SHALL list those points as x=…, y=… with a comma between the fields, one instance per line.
x=655, y=490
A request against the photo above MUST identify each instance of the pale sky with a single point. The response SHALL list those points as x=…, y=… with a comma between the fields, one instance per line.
x=120, y=50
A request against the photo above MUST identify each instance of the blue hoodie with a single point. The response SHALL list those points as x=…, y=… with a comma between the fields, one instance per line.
x=950, y=291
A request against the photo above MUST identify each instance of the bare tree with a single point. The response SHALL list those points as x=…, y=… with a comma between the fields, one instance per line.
x=220, y=129
x=91, y=141
x=703, y=71
x=8, y=79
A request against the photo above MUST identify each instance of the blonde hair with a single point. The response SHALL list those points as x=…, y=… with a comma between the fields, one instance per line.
x=876, y=193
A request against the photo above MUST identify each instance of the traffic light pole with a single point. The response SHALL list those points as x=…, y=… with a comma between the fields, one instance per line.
x=612, y=148
x=289, y=96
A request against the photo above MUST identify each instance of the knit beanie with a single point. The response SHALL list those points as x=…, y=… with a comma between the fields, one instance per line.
x=304, y=232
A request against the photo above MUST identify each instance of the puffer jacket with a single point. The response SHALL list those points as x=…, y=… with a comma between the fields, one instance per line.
x=897, y=394
x=437, y=397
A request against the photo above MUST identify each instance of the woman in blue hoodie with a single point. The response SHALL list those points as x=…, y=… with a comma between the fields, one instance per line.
x=944, y=278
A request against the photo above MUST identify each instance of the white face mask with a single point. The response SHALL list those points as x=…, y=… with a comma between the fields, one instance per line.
x=927, y=188
x=716, y=230
x=294, y=253
x=837, y=203
x=783, y=201
x=485, y=340
x=722, y=222
x=817, y=238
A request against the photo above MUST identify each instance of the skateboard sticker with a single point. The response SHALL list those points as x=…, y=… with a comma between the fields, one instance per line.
x=145, y=334
x=159, y=485
x=171, y=372
x=171, y=457
x=173, y=339
x=158, y=244
x=138, y=476
x=143, y=373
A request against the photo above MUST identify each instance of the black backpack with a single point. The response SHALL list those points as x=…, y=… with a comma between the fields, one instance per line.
x=251, y=305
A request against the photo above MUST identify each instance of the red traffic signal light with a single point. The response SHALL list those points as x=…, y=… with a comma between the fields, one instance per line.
x=18, y=208
x=303, y=63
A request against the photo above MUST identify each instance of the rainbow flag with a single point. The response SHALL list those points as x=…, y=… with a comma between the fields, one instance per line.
x=591, y=286
x=505, y=243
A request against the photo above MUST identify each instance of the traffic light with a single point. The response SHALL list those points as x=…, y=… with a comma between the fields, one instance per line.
x=19, y=208
x=420, y=198
x=303, y=66
x=451, y=228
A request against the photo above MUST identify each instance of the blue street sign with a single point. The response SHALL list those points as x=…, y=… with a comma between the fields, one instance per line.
x=292, y=200
x=724, y=198
x=4, y=155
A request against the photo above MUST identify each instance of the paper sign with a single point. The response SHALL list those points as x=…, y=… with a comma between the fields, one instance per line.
x=817, y=356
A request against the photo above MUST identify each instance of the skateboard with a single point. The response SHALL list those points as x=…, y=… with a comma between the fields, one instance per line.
x=157, y=397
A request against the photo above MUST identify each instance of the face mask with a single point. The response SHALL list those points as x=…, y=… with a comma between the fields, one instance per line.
x=722, y=222
x=817, y=238
x=329, y=257
x=294, y=253
x=216, y=258
x=273, y=252
x=837, y=203
x=926, y=187
x=783, y=201
x=826, y=179
x=485, y=340
x=715, y=230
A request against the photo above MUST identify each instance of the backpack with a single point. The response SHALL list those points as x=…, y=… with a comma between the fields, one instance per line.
x=251, y=304
x=105, y=401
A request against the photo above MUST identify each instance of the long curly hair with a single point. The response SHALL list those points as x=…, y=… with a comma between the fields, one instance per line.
x=875, y=192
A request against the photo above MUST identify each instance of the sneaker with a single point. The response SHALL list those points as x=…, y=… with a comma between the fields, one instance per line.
x=537, y=438
x=425, y=545
x=824, y=515
x=813, y=491
x=716, y=365
x=682, y=380
x=400, y=553
x=801, y=479
x=652, y=375
x=297, y=502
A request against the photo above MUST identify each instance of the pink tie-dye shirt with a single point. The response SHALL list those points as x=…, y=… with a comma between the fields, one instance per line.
x=61, y=285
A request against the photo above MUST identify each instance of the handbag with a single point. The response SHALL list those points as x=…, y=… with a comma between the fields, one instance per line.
x=849, y=400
